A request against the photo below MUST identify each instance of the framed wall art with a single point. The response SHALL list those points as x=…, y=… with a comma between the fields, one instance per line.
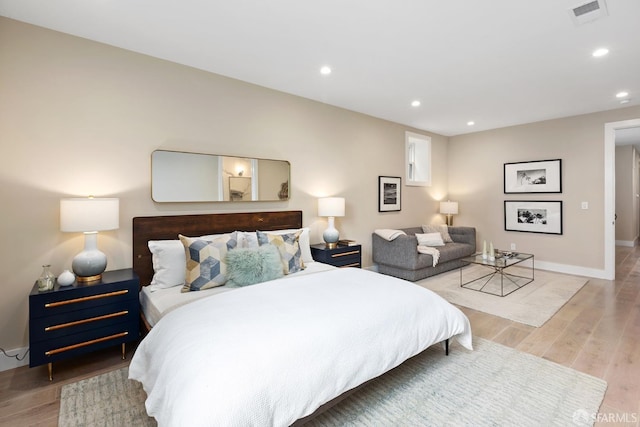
x=389, y=193
x=540, y=176
x=533, y=217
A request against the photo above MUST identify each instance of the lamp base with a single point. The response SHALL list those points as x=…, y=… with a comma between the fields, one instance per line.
x=449, y=220
x=331, y=235
x=89, y=279
x=89, y=264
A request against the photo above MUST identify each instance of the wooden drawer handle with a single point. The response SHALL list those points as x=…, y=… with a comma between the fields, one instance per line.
x=84, y=344
x=89, y=320
x=89, y=298
x=345, y=254
x=355, y=264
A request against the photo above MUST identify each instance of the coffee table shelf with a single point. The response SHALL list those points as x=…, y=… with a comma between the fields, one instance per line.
x=498, y=281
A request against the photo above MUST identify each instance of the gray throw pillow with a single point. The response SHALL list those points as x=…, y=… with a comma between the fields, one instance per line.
x=442, y=229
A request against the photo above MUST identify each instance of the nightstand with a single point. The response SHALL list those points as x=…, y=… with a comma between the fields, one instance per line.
x=69, y=321
x=341, y=256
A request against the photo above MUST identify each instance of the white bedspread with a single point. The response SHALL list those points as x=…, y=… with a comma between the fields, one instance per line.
x=156, y=303
x=272, y=353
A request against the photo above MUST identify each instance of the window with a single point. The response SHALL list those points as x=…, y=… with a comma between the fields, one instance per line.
x=417, y=159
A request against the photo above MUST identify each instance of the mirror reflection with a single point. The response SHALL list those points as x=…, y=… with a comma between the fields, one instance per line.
x=195, y=177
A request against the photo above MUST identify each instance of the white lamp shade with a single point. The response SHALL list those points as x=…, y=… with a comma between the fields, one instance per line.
x=89, y=214
x=449, y=208
x=331, y=206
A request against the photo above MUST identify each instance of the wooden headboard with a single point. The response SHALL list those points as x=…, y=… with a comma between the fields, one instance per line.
x=168, y=228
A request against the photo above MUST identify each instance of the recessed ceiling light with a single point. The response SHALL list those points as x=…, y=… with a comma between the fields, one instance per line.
x=471, y=123
x=600, y=52
x=415, y=103
x=326, y=70
x=622, y=94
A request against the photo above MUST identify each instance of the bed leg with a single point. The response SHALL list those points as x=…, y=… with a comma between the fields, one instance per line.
x=446, y=347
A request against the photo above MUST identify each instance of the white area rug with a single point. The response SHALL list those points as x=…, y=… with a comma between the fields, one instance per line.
x=493, y=385
x=533, y=304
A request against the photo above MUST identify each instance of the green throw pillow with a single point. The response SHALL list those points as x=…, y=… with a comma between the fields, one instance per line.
x=248, y=266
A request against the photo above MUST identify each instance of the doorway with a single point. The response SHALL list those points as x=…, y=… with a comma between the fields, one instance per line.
x=609, y=192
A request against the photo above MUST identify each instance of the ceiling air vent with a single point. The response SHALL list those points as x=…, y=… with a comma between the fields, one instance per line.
x=587, y=12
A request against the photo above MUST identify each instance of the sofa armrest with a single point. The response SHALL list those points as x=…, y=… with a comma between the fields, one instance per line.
x=400, y=252
x=463, y=235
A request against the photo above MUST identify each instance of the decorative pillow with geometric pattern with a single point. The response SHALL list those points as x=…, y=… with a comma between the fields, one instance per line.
x=289, y=247
x=206, y=265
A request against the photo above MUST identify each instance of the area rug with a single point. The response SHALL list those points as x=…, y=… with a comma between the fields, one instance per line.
x=108, y=400
x=492, y=385
x=533, y=304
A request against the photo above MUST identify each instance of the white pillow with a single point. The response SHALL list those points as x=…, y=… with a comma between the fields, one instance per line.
x=169, y=262
x=430, y=239
x=303, y=241
x=442, y=229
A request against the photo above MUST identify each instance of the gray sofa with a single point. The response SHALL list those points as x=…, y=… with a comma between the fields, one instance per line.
x=400, y=257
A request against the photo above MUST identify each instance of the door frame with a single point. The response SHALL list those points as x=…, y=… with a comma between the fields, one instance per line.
x=610, y=193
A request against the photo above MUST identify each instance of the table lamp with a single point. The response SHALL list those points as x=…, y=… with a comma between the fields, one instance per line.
x=89, y=215
x=449, y=209
x=331, y=207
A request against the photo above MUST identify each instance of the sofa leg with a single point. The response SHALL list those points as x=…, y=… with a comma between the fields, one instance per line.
x=446, y=347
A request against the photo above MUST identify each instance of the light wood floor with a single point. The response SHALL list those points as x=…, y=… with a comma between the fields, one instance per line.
x=597, y=332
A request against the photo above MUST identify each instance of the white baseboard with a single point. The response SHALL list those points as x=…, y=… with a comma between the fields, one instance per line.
x=7, y=363
x=626, y=243
x=571, y=269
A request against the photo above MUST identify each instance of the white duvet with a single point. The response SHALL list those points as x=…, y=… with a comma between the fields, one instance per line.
x=272, y=353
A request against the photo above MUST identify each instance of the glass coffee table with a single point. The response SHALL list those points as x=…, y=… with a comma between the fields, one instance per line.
x=498, y=281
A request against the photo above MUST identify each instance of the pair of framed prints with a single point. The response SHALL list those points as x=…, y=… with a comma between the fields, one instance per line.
x=533, y=216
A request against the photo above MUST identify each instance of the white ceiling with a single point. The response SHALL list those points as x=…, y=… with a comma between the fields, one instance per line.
x=497, y=62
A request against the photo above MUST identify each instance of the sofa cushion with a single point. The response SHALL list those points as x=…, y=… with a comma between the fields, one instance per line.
x=452, y=251
x=448, y=252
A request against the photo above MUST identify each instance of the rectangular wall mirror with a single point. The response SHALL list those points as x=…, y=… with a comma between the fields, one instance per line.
x=195, y=177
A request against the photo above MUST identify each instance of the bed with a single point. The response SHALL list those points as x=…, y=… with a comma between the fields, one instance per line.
x=276, y=352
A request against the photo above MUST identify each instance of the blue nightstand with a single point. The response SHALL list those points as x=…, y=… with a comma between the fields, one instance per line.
x=73, y=320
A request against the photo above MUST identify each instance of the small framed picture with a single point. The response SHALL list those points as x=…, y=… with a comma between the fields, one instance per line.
x=540, y=176
x=389, y=193
x=533, y=217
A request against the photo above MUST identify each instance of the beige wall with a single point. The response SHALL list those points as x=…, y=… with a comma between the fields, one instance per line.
x=626, y=194
x=476, y=181
x=80, y=118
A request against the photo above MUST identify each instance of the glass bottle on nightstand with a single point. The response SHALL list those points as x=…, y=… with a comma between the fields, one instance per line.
x=46, y=279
